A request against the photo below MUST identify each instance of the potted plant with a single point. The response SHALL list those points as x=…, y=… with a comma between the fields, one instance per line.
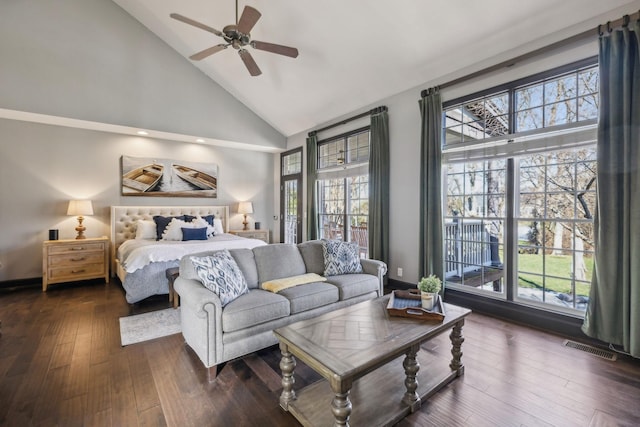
x=429, y=288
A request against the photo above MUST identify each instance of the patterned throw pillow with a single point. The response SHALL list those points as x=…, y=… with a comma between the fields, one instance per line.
x=340, y=257
x=221, y=275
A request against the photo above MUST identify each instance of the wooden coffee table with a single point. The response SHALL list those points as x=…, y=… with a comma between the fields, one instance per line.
x=370, y=362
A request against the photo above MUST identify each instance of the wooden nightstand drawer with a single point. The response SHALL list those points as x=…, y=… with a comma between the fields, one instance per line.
x=81, y=258
x=76, y=272
x=76, y=247
x=72, y=260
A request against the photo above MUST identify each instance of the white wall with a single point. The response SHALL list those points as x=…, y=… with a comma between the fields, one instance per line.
x=42, y=167
x=404, y=134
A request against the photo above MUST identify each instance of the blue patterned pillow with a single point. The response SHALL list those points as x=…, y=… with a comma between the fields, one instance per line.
x=221, y=275
x=340, y=257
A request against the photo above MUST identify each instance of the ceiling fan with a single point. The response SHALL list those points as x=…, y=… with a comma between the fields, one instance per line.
x=238, y=36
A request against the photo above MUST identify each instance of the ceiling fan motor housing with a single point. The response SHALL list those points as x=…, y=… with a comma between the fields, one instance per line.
x=232, y=34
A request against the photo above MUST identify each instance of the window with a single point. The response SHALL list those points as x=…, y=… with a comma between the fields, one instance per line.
x=520, y=165
x=343, y=188
x=291, y=196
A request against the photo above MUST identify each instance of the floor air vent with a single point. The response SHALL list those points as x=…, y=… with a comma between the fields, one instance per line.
x=591, y=350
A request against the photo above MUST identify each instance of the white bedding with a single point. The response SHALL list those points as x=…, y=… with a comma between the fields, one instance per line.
x=136, y=254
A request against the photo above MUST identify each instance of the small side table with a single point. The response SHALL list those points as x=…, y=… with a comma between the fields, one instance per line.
x=252, y=234
x=172, y=275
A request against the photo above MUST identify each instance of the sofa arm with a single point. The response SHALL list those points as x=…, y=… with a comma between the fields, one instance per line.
x=197, y=296
x=201, y=319
x=375, y=268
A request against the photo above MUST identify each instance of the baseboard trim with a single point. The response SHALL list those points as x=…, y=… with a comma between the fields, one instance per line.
x=567, y=326
x=21, y=283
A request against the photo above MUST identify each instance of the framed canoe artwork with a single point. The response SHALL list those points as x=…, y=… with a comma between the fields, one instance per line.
x=168, y=178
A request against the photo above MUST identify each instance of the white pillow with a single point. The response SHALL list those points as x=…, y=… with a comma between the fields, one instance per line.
x=217, y=226
x=145, y=230
x=174, y=229
x=201, y=222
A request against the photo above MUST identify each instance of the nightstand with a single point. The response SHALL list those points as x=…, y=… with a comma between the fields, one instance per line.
x=73, y=260
x=252, y=234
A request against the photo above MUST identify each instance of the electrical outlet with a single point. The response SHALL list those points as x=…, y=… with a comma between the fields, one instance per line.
x=399, y=272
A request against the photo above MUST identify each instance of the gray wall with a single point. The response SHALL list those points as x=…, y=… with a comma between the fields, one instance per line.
x=42, y=167
x=90, y=60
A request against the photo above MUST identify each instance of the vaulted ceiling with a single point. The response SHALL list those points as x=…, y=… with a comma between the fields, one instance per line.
x=355, y=53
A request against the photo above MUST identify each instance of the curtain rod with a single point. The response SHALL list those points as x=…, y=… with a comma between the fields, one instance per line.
x=609, y=26
x=376, y=110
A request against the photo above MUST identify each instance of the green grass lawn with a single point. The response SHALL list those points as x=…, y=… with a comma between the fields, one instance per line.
x=558, y=266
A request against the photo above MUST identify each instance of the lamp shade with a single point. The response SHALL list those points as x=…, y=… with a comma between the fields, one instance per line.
x=245, y=208
x=80, y=207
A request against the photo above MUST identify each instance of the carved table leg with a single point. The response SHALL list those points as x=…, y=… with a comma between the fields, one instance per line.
x=411, y=368
x=287, y=365
x=456, y=350
x=341, y=405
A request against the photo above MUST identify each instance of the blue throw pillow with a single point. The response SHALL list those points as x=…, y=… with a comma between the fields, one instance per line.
x=340, y=257
x=220, y=274
x=194, y=233
x=209, y=219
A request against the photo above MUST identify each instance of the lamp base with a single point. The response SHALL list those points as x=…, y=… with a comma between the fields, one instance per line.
x=80, y=229
x=245, y=223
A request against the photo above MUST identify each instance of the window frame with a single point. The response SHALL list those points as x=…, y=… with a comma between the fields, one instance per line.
x=481, y=150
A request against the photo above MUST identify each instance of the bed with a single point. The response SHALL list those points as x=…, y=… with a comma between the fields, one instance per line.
x=141, y=263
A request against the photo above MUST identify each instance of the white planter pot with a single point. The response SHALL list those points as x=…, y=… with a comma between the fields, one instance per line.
x=428, y=300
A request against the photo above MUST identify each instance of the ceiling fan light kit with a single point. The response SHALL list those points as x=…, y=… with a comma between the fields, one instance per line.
x=238, y=36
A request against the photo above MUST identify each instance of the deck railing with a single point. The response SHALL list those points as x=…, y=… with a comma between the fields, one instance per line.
x=468, y=247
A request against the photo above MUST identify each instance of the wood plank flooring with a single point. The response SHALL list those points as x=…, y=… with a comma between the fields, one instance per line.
x=61, y=363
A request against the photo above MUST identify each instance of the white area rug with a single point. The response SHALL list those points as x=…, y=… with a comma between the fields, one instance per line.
x=147, y=326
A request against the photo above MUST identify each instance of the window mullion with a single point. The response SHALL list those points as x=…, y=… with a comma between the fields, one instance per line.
x=511, y=226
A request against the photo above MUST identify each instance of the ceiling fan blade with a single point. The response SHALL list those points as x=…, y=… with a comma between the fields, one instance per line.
x=248, y=19
x=196, y=24
x=275, y=48
x=208, y=52
x=251, y=65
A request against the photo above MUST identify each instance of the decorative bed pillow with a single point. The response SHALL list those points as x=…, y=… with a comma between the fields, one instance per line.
x=277, y=285
x=209, y=219
x=162, y=222
x=202, y=222
x=217, y=227
x=340, y=257
x=194, y=233
x=174, y=229
x=145, y=230
x=220, y=274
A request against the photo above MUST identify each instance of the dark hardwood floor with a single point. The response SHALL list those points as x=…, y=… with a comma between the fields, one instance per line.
x=61, y=363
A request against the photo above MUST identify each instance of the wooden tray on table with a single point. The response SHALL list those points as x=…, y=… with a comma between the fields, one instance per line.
x=408, y=304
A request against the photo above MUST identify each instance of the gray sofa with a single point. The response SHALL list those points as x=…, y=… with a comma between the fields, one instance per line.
x=245, y=325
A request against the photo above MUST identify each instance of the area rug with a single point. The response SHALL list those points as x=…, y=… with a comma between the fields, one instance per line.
x=147, y=326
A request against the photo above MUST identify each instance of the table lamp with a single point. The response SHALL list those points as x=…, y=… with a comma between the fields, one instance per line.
x=79, y=208
x=245, y=208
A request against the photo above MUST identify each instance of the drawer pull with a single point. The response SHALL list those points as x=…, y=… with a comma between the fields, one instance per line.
x=78, y=248
x=77, y=271
x=78, y=259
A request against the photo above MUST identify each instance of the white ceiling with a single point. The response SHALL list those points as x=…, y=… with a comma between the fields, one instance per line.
x=358, y=52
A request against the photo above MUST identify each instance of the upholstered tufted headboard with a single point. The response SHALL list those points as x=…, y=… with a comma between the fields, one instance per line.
x=123, y=219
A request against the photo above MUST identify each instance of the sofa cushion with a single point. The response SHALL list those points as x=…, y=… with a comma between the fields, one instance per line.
x=311, y=252
x=254, y=308
x=220, y=273
x=353, y=285
x=309, y=296
x=247, y=263
x=278, y=260
x=340, y=257
x=276, y=285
